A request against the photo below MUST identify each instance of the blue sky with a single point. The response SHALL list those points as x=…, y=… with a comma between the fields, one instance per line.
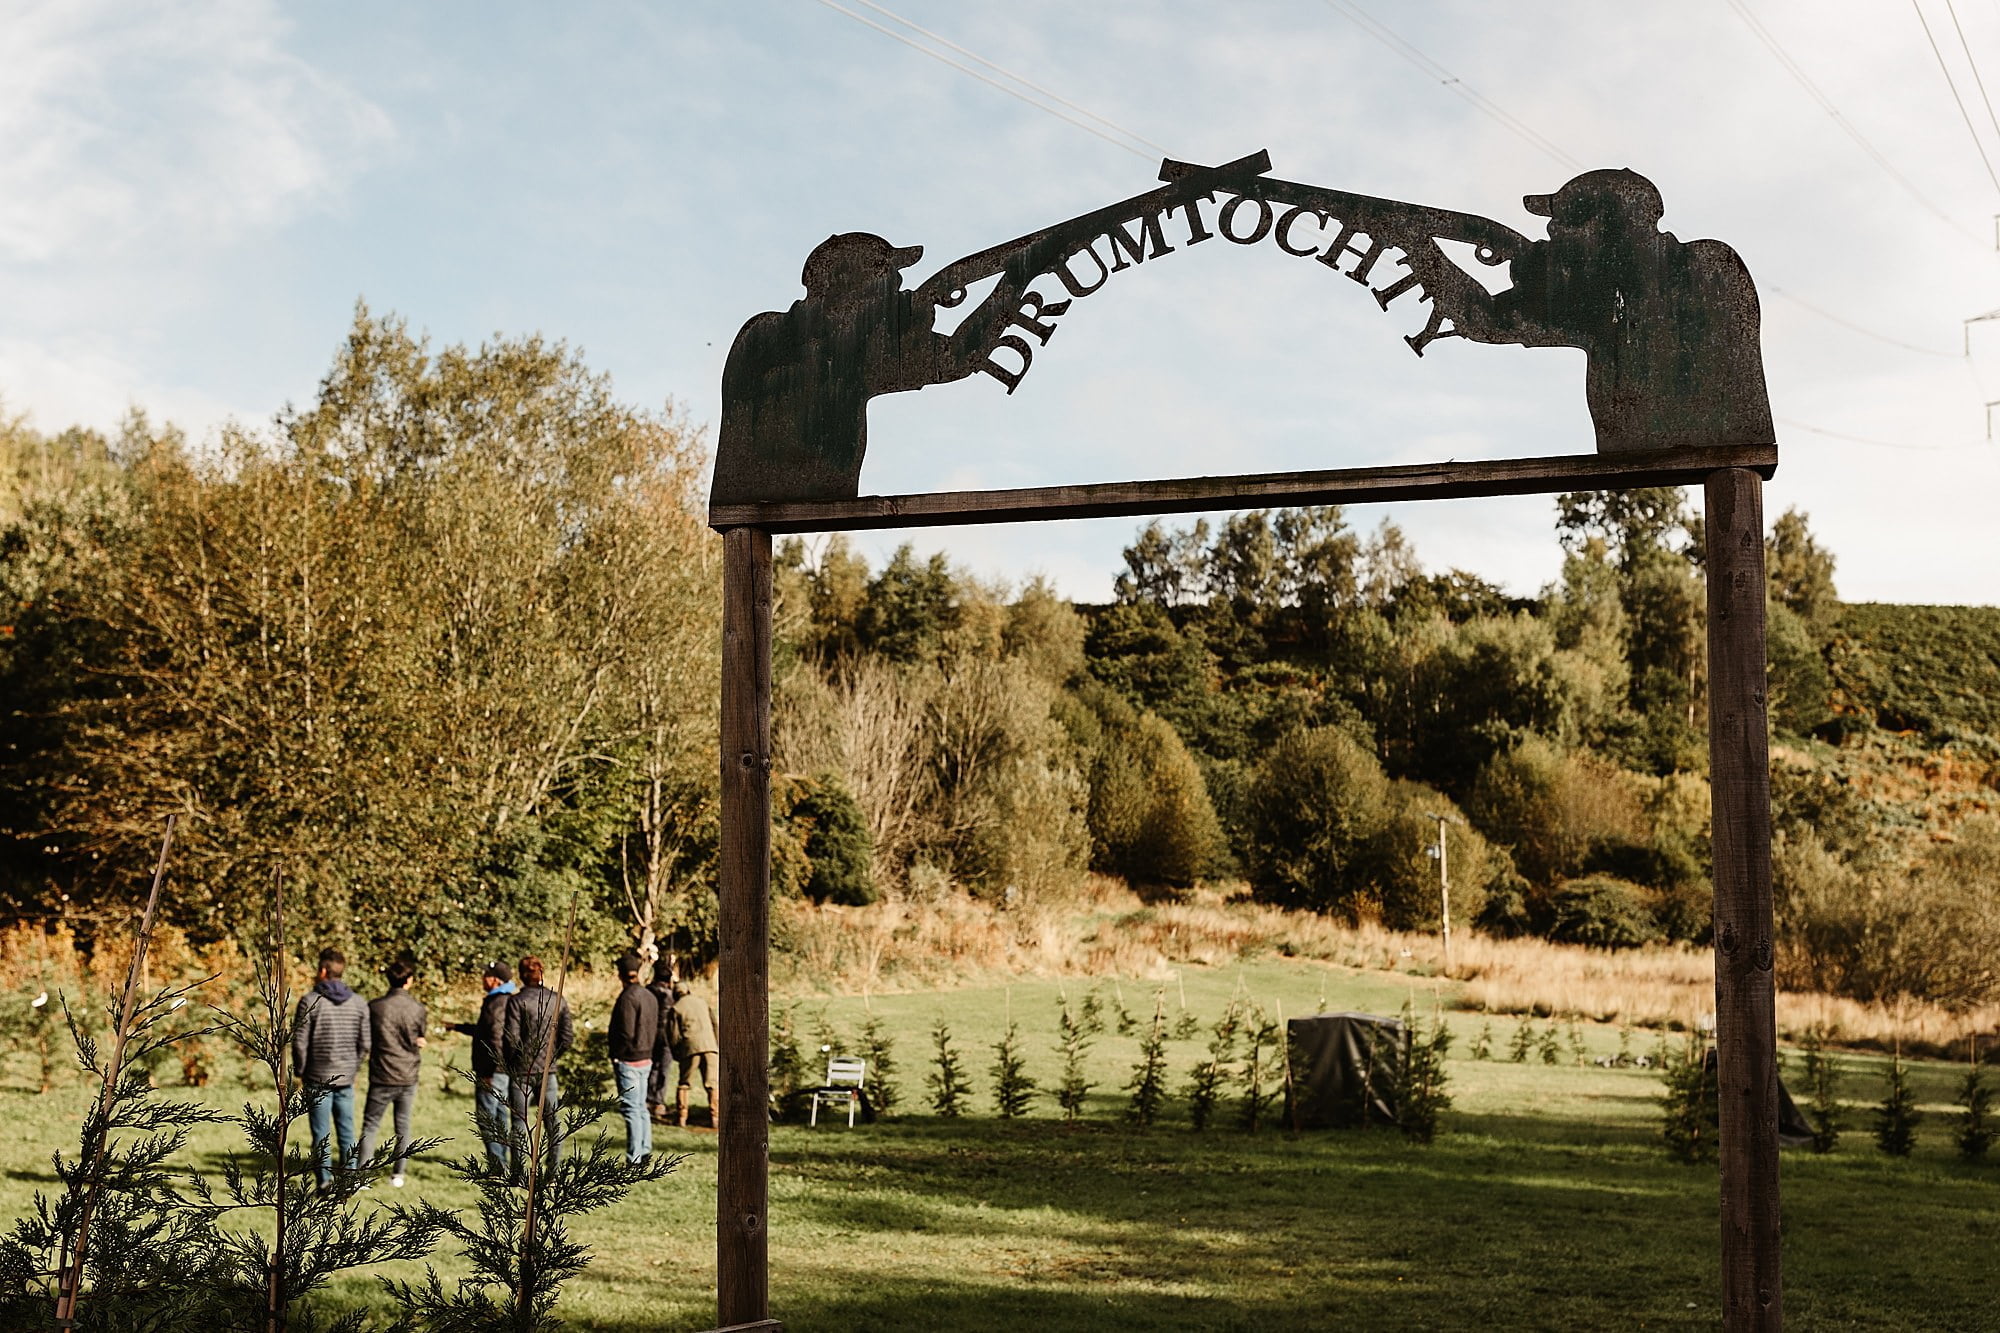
x=193, y=197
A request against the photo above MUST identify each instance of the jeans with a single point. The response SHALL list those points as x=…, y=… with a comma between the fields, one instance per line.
x=631, y=1080
x=518, y=1088
x=490, y=1096
x=381, y=1096
x=330, y=1111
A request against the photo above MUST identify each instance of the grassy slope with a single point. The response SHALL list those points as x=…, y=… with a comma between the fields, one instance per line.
x=1929, y=668
x=1547, y=1205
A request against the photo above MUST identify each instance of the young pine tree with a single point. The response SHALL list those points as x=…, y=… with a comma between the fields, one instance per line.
x=789, y=1074
x=1482, y=1045
x=1897, y=1116
x=1523, y=1043
x=1822, y=1091
x=879, y=1049
x=315, y=1234
x=1013, y=1090
x=1624, y=1057
x=950, y=1089
x=1551, y=1044
x=1975, y=1132
x=1074, y=1036
x=1261, y=1075
x=1420, y=1078
x=1148, y=1084
x=1690, y=1103
x=1577, y=1047
x=118, y=1248
x=1205, y=1081
x=517, y=1241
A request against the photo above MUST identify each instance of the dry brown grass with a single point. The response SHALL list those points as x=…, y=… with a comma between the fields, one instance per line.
x=1104, y=929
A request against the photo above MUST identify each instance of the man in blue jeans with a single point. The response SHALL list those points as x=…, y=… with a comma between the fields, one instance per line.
x=489, y=1076
x=329, y=1042
x=635, y=1024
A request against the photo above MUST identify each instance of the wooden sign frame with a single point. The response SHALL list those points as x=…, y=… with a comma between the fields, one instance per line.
x=1731, y=465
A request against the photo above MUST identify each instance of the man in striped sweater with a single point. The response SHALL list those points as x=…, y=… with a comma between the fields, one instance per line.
x=329, y=1041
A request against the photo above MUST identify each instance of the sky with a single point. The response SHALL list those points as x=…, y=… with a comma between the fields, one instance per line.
x=194, y=197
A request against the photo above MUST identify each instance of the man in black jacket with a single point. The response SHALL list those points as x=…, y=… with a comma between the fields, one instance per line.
x=489, y=1080
x=535, y=1031
x=396, y=1024
x=635, y=1027
x=659, y=1077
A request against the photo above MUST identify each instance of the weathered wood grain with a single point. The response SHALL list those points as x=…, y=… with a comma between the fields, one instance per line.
x=1420, y=481
x=1745, y=995
x=742, y=1236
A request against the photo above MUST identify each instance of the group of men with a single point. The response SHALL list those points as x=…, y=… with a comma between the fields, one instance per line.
x=521, y=1033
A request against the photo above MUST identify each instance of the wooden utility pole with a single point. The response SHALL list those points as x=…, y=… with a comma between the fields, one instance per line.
x=1746, y=1035
x=1444, y=885
x=742, y=1191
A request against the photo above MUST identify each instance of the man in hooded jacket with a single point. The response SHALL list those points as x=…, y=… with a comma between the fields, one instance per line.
x=330, y=1039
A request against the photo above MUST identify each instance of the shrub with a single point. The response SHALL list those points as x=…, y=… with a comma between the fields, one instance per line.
x=1557, y=811
x=1316, y=804
x=1604, y=912
x=1975, y=1131
x=1151, y=819
x=838, y=846
x=1405, y=866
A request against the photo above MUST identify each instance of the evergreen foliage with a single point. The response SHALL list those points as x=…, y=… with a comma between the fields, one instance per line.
x=1262, y=1078
x=1974, y=1133
x=1897, y=1116
x=1523, y=1044
x=879, y=1049
x=1482, y=1045
x=1822, y=1091
x=1206, y=1080
x=789, y=1074
x=1013, y=1090
x=1148, y=1084
x=1075, y=1034
x=1420, y=1078
x=950, y=1089
x=1691, y=1102
x=838, y=846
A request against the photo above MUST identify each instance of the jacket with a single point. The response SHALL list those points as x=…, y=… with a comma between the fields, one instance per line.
x=663, y=1051
x=635, y=1025
x=396, y=1024
x=330, y=1035
x=536, y=1031
x=690, y=1027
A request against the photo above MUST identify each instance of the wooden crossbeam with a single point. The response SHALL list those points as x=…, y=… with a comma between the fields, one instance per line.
x=1114, y=499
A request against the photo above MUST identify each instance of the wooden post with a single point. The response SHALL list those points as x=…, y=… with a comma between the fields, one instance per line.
x=1746, y=1035
x=742, y=1241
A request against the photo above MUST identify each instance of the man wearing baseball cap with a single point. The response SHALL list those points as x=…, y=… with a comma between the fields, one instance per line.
x=488, y=1077
x=1670, y=328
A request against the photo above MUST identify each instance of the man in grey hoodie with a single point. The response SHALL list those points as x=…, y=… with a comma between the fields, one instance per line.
x=396, y=1025
x=329, y=1041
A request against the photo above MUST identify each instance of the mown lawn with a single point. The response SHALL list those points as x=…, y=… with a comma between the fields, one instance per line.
x=1547, y=1203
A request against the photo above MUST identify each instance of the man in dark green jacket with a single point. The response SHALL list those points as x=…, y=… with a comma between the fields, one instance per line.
x=691, y=1033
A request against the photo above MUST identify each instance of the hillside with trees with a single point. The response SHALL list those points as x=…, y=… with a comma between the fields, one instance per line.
x=440, y=647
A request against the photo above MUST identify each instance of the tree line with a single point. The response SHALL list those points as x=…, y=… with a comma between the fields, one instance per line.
x=442, y=646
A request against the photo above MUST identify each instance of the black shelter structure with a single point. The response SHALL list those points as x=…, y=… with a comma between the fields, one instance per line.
x=1343, y=1070
x=1675, y=385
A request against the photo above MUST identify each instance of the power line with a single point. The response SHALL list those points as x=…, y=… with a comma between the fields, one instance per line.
x=1382, y=33
x=1966, y=47
x=985, y=79
x=1880, y=444
x=1826, y=104
x=1952, y=84
x=1008, y=73
x=1852, y=327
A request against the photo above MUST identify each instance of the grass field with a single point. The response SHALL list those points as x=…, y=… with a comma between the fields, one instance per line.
x=1546, y=1204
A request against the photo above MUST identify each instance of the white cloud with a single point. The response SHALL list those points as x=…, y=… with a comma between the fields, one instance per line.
x=120, y=122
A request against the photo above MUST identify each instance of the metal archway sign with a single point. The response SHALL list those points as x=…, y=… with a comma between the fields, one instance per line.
x=1674, y=382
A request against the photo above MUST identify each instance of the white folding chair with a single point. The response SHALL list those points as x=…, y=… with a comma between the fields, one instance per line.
x=845, y=1075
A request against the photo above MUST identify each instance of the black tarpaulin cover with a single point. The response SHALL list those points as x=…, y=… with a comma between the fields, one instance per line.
x=1342, y=1069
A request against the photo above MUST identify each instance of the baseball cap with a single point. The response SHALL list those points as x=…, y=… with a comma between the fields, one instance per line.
x=499, y=972
x=1577, y=196
x=856, y=251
